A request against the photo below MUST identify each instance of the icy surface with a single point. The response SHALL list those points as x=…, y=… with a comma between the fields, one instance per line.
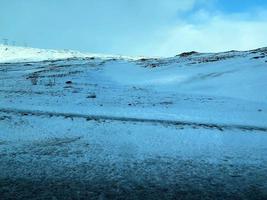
x=102, y=127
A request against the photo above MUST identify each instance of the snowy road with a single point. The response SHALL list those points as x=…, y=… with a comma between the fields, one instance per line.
x=68, y=158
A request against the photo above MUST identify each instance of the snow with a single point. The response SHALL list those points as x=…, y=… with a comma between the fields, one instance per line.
x=24, y=54
x=66, y=116
x=174, y=90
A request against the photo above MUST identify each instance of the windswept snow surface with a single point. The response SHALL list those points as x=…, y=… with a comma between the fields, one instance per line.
x=75, y=125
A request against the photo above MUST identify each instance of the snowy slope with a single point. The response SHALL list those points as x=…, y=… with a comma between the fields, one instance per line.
x=73, y=124
x=177, y=88
x=24, y=54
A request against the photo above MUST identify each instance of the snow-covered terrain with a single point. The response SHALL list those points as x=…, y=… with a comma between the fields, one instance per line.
x=22, y=54
x=190, y=126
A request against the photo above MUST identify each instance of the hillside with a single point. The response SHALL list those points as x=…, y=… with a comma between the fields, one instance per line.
x=177, y=124
x=176, y=88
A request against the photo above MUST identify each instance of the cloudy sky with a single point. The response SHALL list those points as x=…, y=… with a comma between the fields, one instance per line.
x=136, y=27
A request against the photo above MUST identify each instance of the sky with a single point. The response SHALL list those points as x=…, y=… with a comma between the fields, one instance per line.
x=135, y=27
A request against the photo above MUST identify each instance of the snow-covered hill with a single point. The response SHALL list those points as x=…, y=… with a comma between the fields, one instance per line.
x=175, y=124
x=179, y=88
x=24, y=54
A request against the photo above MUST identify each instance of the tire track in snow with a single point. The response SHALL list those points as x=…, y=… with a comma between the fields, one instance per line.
x=88, y=117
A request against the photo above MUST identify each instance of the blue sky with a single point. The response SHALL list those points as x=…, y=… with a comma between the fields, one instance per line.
x=136, y=27
x=240, y=5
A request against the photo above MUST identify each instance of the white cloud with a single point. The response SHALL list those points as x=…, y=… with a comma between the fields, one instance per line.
x=212, y=33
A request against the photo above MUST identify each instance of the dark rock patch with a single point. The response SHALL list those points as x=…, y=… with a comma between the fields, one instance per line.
x=91, y=96
x=68, y=82
x=186, y=54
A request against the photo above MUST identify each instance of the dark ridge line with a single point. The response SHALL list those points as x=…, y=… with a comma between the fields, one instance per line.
x=42, y=61
x=89, y=117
